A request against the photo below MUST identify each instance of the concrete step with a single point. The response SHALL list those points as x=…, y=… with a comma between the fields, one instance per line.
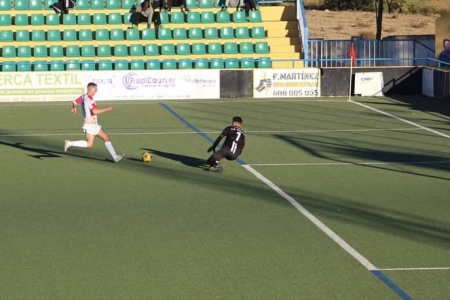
x=287, y=64
x=279, y=13
x=270, y=25
x=283, y=33
x=283, y=41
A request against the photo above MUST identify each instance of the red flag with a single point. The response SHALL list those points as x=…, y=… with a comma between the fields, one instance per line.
x=353, y=53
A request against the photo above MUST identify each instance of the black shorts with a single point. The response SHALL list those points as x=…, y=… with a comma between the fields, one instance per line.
x=226, y=153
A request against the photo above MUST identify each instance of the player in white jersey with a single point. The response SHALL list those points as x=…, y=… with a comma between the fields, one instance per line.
x=91, y=128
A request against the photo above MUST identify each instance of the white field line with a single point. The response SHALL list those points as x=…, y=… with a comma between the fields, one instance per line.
x=353, y=164
x=401, y=119
x=331, y=234
x=415, y=269
x=217, y=132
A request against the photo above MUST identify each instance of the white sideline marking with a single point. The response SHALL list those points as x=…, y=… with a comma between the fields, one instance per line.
x=415, y=269
x=331, y=234
x=215, y=132
x=401, y=119
x=354, y=164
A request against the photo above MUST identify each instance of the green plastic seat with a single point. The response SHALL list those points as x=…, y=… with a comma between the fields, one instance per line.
x=215, y=48
x=22, y=36
x=169, y=64
x=231, y=63
x=84, y=19
x=57, y=65
x=127, y=4
x=164, y=17
x=8, y=51
x=103, y=51
x=37, y=19
x=40, y=66
x=35, y=5
x=114, y=18
x=185, y=64
x=207, y=17
x=179, y=34
x=48, y=4
x=183, y=49
x=239, y=17
x=198, y=48
x=193, y=17
x=38, y=35
x=148, y=34
x=246, y=48
x=116, y=35
x=88, y=65
x=88, y=51
x=137, y=65
x=258, y=32
x=5, y=5
x=205, y=4
x=264, y=62
x=255, y=16
x=247, y=63
x=226, y=33
x=195, y=33
x=242, y=33
x=112, y=4
x=153, y=65
x=73, y=51
x=97, y=4
x=21, y=5
x=56, y=51
x=6, y=36
x=191, y=4
x=262, y=47
x=211, y=33
x=73, y=65
x=85, y=35
x=223, y=17
x=82, y=5
x=69, y=19
x=24, y=51
x=40, y=51
x=5, y=20
x=164, y=33
x=53, y=20
x=201, y=63
x=99, y=19
x=136, y=50
x=230, y=48
x=217, y=63
x=177, y=18
x=120, y=50
x=105, y=65
x=8, y=66
x=70, y=35
x=53, y=35
x=21, y=20
x=167, y=49
x=151, y=49
x=23, y=66
x=121, y=65
x=102, y=35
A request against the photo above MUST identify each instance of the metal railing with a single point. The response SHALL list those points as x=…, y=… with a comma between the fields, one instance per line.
x=303, y=30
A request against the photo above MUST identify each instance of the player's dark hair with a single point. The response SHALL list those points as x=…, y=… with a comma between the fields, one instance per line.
x=91, y=84
x=237, y=119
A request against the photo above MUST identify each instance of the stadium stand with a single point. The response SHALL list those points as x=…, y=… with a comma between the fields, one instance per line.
x=97, y=35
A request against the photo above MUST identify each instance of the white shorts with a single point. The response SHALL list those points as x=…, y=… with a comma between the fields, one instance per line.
x=92, y=128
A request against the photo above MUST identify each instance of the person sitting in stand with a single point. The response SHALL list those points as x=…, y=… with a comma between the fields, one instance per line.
x=143, y=13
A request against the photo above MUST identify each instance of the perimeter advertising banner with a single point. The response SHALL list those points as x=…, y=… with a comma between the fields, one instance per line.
x=40, y=86
x=286, y=83
x=112, y=85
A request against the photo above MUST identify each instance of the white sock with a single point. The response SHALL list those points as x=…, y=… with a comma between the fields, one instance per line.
x=111, y=150
x=81, y=144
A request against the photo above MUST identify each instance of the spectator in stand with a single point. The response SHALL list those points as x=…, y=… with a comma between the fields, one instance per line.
x=62, y=6
x=239, y=4
x=250, y=5
x=167, y=6
x=143, y=13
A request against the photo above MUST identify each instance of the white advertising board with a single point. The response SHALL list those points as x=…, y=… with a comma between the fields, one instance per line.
x=112, y=85
x=286, y=83
x=369, y=84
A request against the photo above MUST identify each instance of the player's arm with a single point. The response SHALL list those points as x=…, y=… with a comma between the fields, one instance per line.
x=75, y=103
x=217, y=141
x=97, y=111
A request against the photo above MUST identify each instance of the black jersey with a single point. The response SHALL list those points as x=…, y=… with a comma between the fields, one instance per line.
x=234, y=138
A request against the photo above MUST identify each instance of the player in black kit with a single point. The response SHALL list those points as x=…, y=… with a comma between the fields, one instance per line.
x=231, y=148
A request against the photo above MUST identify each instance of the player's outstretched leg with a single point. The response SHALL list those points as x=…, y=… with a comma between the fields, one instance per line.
x=80, y=144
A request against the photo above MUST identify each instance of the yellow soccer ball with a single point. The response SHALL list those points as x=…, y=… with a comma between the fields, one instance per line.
x=147, y=156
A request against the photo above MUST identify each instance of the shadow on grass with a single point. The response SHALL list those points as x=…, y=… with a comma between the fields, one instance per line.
x=189, y=161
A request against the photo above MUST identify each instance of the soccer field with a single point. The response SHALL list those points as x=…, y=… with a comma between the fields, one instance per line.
x=331, y=199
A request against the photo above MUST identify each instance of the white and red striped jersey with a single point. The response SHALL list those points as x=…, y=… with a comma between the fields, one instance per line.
x=88, y=104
